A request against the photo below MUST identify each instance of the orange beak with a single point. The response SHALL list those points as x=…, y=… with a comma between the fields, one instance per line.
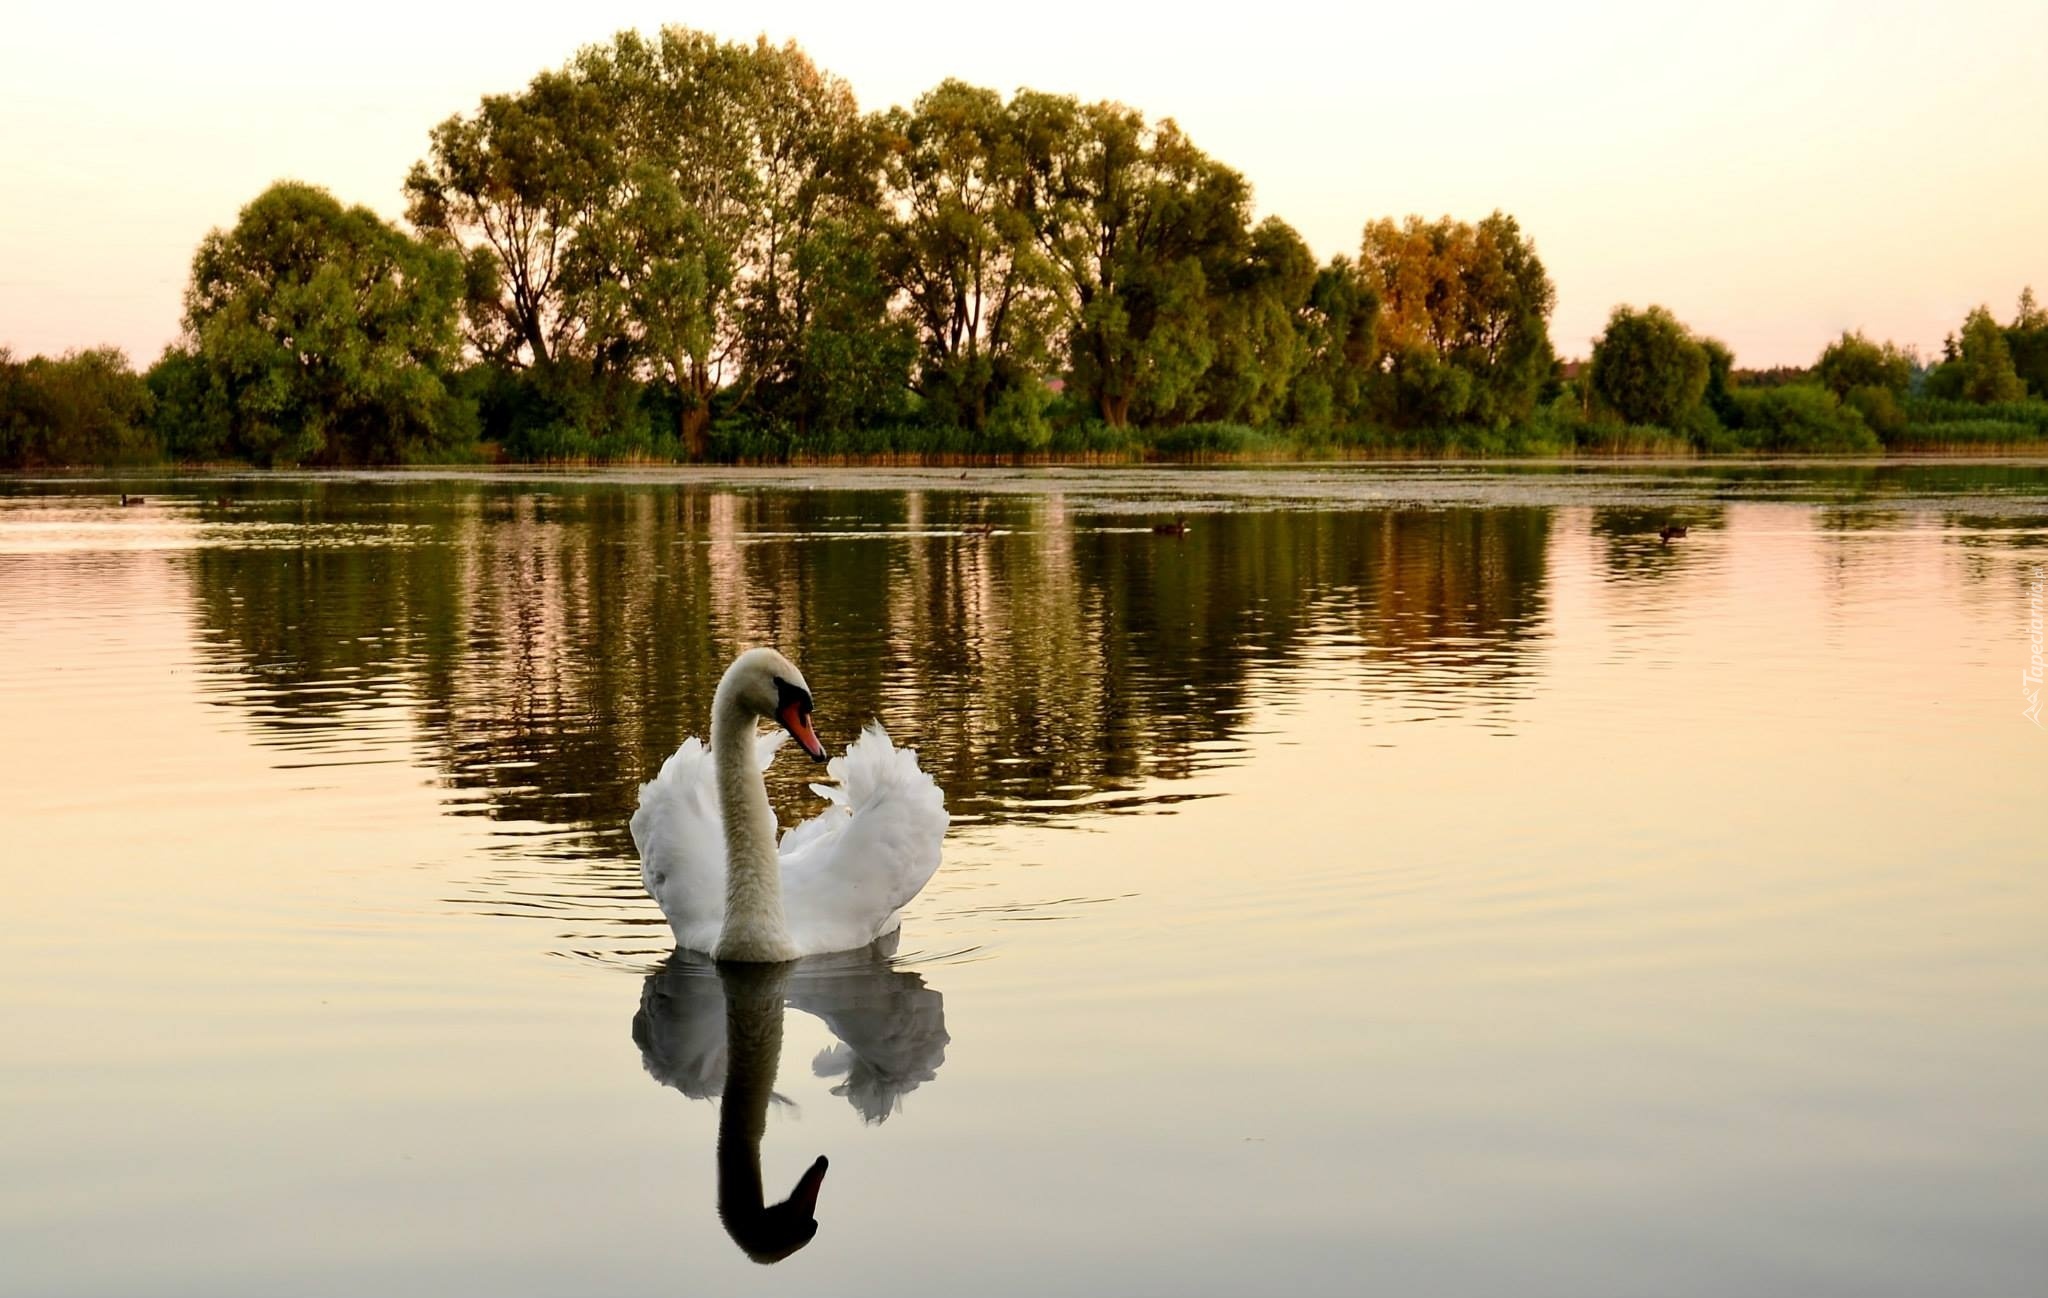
x=797, y=721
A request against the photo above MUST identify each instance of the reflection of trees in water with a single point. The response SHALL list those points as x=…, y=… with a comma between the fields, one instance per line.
x=559, y=645
x=1998, y=559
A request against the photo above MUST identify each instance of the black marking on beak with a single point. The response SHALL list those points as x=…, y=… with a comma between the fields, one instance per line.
x=793, y=710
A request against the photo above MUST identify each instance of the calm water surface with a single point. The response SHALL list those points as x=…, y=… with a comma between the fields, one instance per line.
x=1407, y=882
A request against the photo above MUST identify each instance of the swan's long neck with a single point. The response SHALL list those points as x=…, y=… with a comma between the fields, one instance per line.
x=754, y=927
x=753, y=1045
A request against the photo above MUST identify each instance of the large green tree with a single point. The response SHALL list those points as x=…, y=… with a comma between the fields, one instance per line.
x=325, y=333
x=961, y=252
x=806, y=298
x=1258, y=317
x=1340, y=343
x=1978, y=365
x=506, y=186
x=662, y=210
x=1647, y=368
x=1136, y=225
x=2027, y=339
x=1854, y=361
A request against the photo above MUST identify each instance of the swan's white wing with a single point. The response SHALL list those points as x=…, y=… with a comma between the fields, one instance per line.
x=848, y=871
x=681, y=838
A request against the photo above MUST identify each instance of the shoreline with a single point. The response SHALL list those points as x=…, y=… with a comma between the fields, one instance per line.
x=856, y=463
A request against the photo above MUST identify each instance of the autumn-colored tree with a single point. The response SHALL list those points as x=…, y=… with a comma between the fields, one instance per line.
x=1464, y=318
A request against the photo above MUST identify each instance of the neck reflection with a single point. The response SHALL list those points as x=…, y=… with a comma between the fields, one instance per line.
x=715, y=1030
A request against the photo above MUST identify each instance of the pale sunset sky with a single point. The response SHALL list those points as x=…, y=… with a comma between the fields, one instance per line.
x=1774, y=173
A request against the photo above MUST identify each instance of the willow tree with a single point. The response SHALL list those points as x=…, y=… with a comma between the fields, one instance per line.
x=1647, y=368
x=814, y=308
x=506, y=186
x=1135, y=224
x=1339, y=325
x=961, y=253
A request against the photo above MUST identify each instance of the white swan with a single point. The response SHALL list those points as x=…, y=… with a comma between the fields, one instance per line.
x=707, y=835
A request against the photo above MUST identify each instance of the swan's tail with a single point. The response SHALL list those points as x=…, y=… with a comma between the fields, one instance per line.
x=873, y=770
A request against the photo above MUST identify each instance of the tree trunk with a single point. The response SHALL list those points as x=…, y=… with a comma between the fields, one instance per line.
x=694, y=386
x=1116, y=409
x=695, y=429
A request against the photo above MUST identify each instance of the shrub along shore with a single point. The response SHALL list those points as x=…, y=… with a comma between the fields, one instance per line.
x=677, y=249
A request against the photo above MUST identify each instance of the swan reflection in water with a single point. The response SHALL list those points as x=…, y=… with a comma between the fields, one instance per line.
x=715, y=1030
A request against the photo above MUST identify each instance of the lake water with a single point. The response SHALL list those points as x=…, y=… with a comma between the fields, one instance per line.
x=1407, y=881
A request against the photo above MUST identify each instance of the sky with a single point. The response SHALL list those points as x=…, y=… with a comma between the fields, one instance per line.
x=1773, y=173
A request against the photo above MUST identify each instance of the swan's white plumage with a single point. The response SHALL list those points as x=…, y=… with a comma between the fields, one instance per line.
x=846, y=873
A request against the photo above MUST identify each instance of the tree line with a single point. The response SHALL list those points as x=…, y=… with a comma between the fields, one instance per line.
x=676, y=247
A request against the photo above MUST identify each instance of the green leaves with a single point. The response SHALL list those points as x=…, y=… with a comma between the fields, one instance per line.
x=960, y=253
x=1145, y=238
x=1854, y=361
x=1984, y=360
x=1648, y=368
x=84, y=407
x=320, y=334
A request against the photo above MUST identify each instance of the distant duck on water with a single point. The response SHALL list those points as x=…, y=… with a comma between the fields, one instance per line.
x=1670, y=532
x=1178, y=527
x=127, y=500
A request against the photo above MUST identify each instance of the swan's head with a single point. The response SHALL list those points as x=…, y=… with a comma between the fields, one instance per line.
x=766, y=685
x=768, y=1235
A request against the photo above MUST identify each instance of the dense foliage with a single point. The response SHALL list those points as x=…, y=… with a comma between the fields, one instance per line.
x=1464, y=321
x=314, y=334
x=675, y=247
x=85, y=407
x=1647, y=368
